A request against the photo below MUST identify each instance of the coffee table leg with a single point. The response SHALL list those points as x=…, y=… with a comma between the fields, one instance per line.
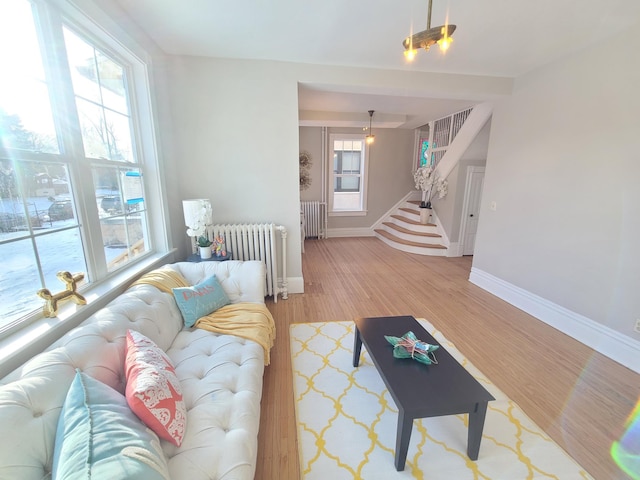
x=476, y=424
x=403, y=435
x=357, y=346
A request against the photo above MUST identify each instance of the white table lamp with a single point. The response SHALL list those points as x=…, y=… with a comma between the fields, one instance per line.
x=198, y=215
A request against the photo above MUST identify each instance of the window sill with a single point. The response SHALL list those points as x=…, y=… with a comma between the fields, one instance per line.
x=358, y=213
x=21, y=345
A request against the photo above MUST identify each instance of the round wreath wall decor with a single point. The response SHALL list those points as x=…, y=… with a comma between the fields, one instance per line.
x=305, y=164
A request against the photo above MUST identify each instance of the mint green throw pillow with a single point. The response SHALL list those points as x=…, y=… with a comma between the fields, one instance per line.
x=99, y=437
x=200, y=300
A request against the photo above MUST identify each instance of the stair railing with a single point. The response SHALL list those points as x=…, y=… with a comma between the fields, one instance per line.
x=442, y=133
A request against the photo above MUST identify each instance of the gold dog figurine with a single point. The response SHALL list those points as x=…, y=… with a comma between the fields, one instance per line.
x=50, y=308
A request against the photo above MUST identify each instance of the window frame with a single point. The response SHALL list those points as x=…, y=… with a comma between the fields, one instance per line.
x=364, y=174
x=100, y=31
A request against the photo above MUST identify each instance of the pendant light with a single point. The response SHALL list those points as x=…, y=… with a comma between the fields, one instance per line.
x=440, y=35
x=370, y=138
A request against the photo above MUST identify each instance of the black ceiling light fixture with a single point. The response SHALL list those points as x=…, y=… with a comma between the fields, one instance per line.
x=370, y=138
x=440, y=35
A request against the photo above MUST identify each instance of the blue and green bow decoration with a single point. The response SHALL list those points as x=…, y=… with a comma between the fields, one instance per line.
x=408, y=346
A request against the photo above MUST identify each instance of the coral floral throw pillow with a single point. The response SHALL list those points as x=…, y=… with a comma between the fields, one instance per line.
x=153, y=391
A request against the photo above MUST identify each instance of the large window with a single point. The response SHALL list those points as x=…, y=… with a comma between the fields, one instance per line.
x=348, y=174
x=71, y=168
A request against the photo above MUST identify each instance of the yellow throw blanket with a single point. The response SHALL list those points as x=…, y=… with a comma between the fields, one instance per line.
x=252, y=321
x=163, y=279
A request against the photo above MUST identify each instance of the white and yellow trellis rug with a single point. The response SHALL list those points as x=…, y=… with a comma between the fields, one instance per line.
x=347, y=422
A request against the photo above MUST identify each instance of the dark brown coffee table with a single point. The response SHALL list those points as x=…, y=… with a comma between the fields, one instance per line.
x=421, y=390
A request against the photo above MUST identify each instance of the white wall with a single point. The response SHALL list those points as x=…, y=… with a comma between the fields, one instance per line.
x=562, y=163
x=311, y=141
x=563, y=168
x=449, y=208
x=236, y=130
x=236, y=127
x=390, y=178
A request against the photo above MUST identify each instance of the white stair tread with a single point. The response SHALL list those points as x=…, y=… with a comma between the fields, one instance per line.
x=393, y=238
x=410, y=232
x=411, y=221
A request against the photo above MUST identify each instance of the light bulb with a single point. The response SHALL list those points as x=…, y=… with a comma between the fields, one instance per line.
x=410, y=54
x=445, y=42
x=370, y=139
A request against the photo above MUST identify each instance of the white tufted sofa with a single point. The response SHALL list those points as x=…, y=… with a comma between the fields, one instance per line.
x=220, y=375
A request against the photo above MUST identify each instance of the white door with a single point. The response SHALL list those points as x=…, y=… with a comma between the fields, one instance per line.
x=473, y=194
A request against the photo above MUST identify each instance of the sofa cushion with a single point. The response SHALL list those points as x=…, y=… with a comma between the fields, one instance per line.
x=221, y=377
x=153, y=391
x=200, y=300
x=99, y=437
x=242, y=281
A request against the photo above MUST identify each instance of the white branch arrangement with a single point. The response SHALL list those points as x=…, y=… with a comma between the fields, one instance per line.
x=430, y=183
x=198, y=216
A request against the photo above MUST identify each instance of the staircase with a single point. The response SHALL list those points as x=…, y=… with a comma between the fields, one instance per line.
x=403, y=231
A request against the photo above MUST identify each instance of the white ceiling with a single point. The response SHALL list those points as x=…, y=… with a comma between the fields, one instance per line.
x=493, y=37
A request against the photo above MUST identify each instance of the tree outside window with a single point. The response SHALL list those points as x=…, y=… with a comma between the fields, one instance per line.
x=62, y=141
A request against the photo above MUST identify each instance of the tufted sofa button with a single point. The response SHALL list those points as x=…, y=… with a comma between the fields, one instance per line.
x=37, y=414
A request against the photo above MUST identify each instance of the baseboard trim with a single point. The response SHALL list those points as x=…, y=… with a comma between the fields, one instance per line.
x=455, y=250
x=295, y=284
x=611, y=343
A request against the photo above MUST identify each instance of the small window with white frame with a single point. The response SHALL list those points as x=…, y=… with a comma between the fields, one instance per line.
x=348, y=175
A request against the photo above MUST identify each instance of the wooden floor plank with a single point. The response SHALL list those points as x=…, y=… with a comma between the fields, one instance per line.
x=578, y=396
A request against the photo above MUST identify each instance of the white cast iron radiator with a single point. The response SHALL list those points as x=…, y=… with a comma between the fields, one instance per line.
x=314, y=217
x=258, y=242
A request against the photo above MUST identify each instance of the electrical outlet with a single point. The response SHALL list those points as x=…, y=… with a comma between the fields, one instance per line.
x=637, y=327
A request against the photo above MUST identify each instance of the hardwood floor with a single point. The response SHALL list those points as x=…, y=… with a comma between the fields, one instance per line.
x=578, y=396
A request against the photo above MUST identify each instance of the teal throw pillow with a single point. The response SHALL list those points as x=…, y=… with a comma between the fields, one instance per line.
x=99, y=437
x=200, y=300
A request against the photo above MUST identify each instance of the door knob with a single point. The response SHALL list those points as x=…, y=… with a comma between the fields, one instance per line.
x=471, y=215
